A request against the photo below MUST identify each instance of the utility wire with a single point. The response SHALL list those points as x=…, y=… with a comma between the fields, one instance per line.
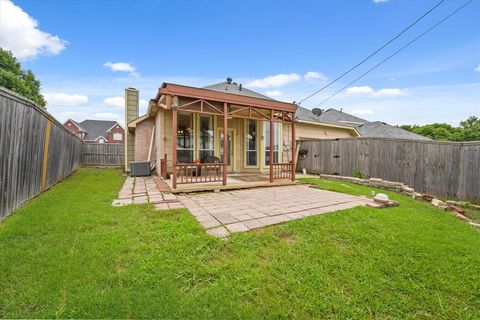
x=396, y=52
x=374, y=53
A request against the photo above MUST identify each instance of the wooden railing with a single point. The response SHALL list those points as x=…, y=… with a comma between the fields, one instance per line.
x=282, y=170
x=197, y=173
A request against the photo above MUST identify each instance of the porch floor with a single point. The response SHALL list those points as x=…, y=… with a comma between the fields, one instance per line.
x=234, y=181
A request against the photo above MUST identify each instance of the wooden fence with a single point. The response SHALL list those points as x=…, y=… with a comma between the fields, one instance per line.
x=446, y=169
x=36, y=151
x=103, y=154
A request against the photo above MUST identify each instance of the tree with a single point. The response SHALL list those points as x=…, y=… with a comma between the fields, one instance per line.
x=20, y=81
x=469, y=130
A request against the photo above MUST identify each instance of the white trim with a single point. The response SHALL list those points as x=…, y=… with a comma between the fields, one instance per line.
x=257, y=143
x=116, y=124
x=133, y=123
x=98, y=138
x=329, y=125
x=76, y=125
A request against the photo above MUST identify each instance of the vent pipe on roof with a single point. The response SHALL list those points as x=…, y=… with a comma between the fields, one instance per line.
x=240, y=87
x=229, y=80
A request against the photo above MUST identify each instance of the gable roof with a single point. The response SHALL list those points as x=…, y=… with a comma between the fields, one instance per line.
x=221, y=93
x=97, y=128
x=77, y=124
x=364, y=127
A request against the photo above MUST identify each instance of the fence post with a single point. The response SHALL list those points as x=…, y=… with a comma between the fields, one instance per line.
x=45, y=154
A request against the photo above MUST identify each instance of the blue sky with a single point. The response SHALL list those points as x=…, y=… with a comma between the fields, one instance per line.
x=86, y=52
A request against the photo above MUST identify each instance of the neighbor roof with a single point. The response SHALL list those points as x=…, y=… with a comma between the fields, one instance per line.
x=96, y=128
x=77, y=124
x=364, y=127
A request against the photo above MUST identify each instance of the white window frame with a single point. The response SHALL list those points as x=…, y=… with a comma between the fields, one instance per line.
x=245, y=143
x=197, y=134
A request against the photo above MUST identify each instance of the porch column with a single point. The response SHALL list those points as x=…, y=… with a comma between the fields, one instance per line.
x=271, y=145
x=174, y=155
x=294, y=148
x=225, y=142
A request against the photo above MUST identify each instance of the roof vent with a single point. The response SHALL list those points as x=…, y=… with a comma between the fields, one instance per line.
x=240, y=87
x=317, y=111
x=229, y=80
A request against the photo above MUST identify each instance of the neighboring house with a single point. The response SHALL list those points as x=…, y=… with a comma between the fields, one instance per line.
x=97, y=131
x=197, y=118
x=364, y=128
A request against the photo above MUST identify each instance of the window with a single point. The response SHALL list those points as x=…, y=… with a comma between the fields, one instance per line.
x=101, y=140
x=185, y=137
x=206, y=136
x=117, y=136
x=266, y=134
x=251, y=143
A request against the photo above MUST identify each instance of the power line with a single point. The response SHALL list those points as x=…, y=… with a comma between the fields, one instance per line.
x=396, y=52
x=374, y=53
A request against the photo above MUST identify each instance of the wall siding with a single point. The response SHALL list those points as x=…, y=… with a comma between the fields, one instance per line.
x=445, y=169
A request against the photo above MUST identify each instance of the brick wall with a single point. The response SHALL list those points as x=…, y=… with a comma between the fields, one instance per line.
x=116, y=129
x=143, y=135
x=73, y=128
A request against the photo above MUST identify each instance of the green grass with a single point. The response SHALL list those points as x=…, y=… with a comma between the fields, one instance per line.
x=70, y=254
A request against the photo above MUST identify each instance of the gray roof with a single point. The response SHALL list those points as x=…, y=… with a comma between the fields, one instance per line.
x=364, y=127
x=234, y=88
x=384, y=130
x=96, y=128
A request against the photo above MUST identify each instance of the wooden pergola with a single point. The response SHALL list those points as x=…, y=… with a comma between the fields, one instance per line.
x=227, y=105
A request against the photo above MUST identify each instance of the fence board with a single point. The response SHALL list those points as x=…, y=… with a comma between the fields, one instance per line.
x=449, y=169
x=103, y=154
x=22, y=140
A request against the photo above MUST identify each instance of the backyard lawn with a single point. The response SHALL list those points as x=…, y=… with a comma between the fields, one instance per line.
x=69, y=254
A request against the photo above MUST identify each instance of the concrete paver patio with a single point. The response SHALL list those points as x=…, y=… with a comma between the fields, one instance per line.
x=226, y=212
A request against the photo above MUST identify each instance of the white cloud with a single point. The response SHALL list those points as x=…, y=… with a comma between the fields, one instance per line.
x=360, y=90
x=362, y=111
x=313, y=75
x=477, y=69
x=366, y=90
x=274, y=81
x=118, y=102
x=121, y=67
x=19, y=34
x=65, y=99
x=274, y=93
x=379, y=1
x=394, y=92
x=105, y=115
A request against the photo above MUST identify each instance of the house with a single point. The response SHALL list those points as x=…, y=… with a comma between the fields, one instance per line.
x=225, y=133
x=97, y=131
x=362, y=127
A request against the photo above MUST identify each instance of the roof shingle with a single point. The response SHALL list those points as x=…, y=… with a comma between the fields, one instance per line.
x=96, y=128
x=364, y=127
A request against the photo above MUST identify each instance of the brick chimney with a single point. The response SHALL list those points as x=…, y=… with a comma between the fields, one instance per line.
x=131, y=113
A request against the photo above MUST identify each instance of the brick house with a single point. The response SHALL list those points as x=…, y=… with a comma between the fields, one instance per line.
x=97, y=131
